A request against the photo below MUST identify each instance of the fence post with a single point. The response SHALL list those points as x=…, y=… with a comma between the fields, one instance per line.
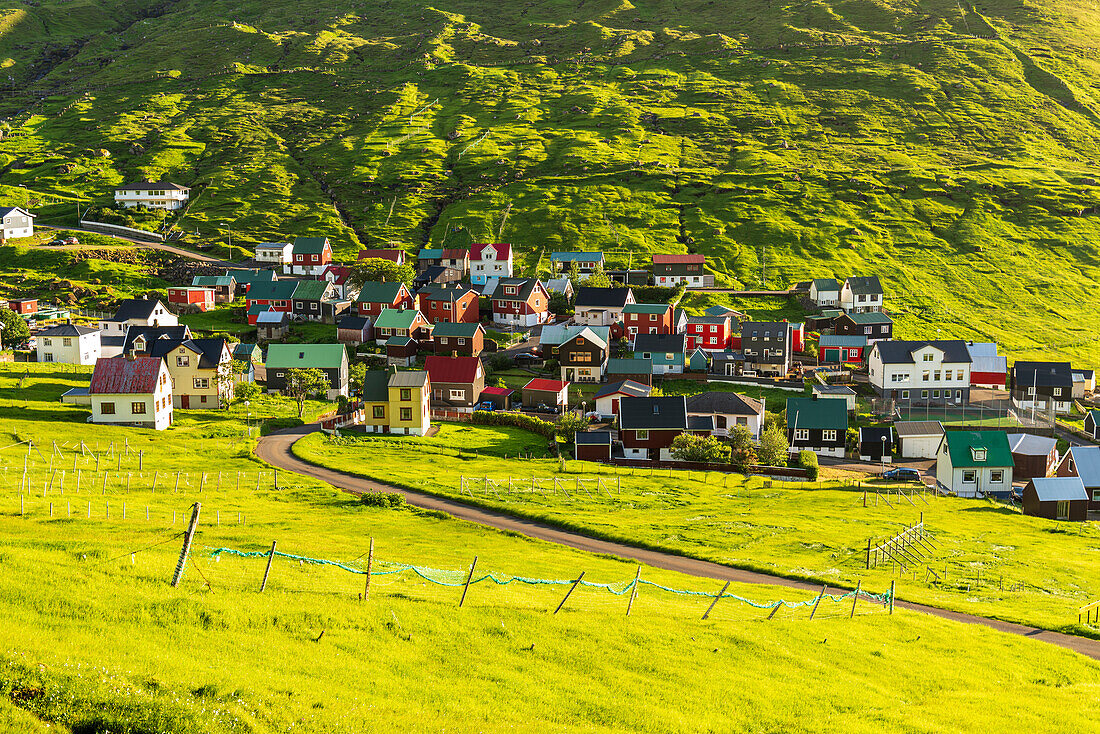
x=634, y=592
x=187, y=538
x=892, y=596
x=466, y=586
x=855, y=598
x=819, y=596
x=720, y=593
x=568, y=593
x=370, y=562
x=267, y=571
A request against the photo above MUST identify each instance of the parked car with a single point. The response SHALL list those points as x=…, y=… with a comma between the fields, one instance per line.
x=903, y=473
x=525, y=357
x=71, y=241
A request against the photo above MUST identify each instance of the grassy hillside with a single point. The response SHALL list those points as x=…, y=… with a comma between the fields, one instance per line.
x=95, y=640
x=949, y=147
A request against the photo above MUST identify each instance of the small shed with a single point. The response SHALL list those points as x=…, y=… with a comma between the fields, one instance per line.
x=1034, y=456
x=836, y=392
x=272, y=325
x=400, y=351
x=24, y=306
x=1092, y=424
x=698, y=361
x=541, y=391
x=1056, y=498
x=919, y=439
x=876, y=443
x=500, y=398
x=198, y=297
x=354, y=330
x=592, y=446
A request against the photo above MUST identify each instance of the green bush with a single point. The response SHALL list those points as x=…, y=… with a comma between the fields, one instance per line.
x=391, y=500
x=515, y=420
x=808, y=461
x=276, y=424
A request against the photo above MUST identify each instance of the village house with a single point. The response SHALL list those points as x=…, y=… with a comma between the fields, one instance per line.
x=835, y=392
x=225, y=286
x=727, y=364
x=448, y=303
x=457, y=382
x=587, y=262
x=975, y=463
x=251, y=359
x=429, y=258
x=276, y=295
x=401, y=351
x=375, y=296
x=729, y=410
x=456, y=259
x=201, y=371
x=68, y=344
x=436, y=275
x=861, y=294
x=1083, y=462
x=1033, y=456
x=25, y=307
x=339, y=276
x=152, y=195
x=394, y=255
x=401, y=322
x=609, y=396
x=581, y=351
x=465, y=339
x=697, y=360
x=354, y=330
x=1092, y=424
x=592, y=446
x=270, y=325
x=919, y=439
x=665, y=351
x=332, y=359
x=1056, y=498
x=15, y=222
x=987, y=369
x=397, y=402
x=825, y=292
x=833, y=349
x=139, y=339
x=1042, y=386
x=309, y=256
x=873, y=325
x=314, y=300
x=522, y=303
x=820, y=426
x=766, y=346
x=876, y=443
x=630, y=368
x=184, y=297
x=564, y=286
x=541, y=394
x=670, y=271
x=132, y=312
x=134, y=391
x=274, y=254
x=649, y=425
x=709, y=333
x=647, y=318
x=245, y=278
x=1084, y=383
x=489, y=261
x=927, y=372
x=601, y=306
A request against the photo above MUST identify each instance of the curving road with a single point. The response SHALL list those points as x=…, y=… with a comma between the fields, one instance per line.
x=276, y=449
x=146, y=244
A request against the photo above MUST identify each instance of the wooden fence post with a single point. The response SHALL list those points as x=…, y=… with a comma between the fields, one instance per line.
x=819, y=597
x=466, y=586
x=568, y=593
x=634, y=592
x=187, y=538
x=267, y=571
x=855, y=598
x=892, y=596
x=720, y=593
x=370, y=562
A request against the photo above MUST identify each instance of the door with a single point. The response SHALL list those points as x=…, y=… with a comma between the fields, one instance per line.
x=614, y=406
x=1063, y=510
x=185, y=401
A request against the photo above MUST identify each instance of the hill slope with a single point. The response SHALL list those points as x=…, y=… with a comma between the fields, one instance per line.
x=949, y=147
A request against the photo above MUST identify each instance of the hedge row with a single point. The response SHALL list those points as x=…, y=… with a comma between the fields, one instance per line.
x=515, y=420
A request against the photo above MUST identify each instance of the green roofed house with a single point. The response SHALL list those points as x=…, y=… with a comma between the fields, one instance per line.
x=245, y=278
x=587, y=262
x=315, y=300
x=428, y=257
x=376, y=295
x=817, y=425
x=332, y=359
x=634, y=368
x=251, y=358
x=225, y=286
x=401, y=322
x=309, y=256
x=462, y=339
x=975, y=464
x=825, y=292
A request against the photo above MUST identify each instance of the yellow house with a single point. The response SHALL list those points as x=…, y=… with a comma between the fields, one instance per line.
x=201, y=371
x=396, y=402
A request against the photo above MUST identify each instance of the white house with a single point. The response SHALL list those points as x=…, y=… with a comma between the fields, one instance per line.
x=975, y=463
x=610, y=396
x=836, y=392
x=925, y=372
x=490, y=261
x=152, y=194
x=68, y=344
x=601, y=306
x=131, y=391
x=861, y=294
x=729, y=411
x=277, y=254
x=15, y=222
x=919, y=439
x=825, y=292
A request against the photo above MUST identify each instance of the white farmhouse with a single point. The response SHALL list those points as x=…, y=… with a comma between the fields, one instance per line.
x=490, y=261
x=278, y=254
x=152, y=194
x=135, y=391
x=975, y=463
x=924, y=372
x=15, y=222
x=861, y=294
x=68, y=344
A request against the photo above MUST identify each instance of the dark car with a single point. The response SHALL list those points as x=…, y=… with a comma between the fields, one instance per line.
x=904, y=474
x=525, y=357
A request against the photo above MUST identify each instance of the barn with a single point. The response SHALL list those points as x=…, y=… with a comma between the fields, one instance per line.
x=919, y=439
x=593, y=446
x=1035, y=456
x=1056, y=498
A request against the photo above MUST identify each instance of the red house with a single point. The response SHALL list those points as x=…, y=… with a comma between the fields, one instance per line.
x=24, y=306
x=375, y=296
x=202, y=298
x=448, y=302
x=710, y=333
x=395, y=256
x=798, y=338
x=519, y=302
x=275, y=295
x=309, y=256
x=648, y=318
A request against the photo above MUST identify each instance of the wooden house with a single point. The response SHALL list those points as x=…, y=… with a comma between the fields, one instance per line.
x=271, y=325
x=465, y=339
x=817, y=425
x=672, y=270
x=1083, y=462
x=354, y=330
x=609, y=396
x=581, y=351
x=975, y=463
x=592, y=446
x=133, y=391
x=542, y=392
x=1033, y=456
x=332, y=359
x=225, y=286
x=647, y=318
x=876, y=443
x=457, y=382
x=1056, y=498
x=375, y=296
x=309, y=256
x=872, y=325
x=451, y=303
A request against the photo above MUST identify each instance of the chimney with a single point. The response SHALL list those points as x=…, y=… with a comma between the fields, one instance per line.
x=130, y=356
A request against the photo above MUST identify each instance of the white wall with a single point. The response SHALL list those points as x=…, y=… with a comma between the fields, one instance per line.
x=80, y=349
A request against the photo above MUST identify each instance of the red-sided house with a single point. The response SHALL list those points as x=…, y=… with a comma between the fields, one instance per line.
x=670, y=271
x=467, y=339
x=197, y=296
x=448, y=303
x=309, y=256
x=709, y=333
x=394, y=256
x=401, y=323
x=798, y=338
x=375, y=296
x=520, y=302
x=647, y=318
x=338, y=275
x=275, y=295
x=648, y=426
x=457, y=382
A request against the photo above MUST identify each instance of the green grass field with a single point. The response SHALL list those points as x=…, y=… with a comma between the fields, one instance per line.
x=797, y=530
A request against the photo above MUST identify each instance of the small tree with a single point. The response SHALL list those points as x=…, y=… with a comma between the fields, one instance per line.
x=303, y=384
x=227, y=376
x=808, y=461
x=574, y=273
x=357, y=373
x=15, y=329
x=376, y=269
x=246, y=391
x=703, y=449
x=742, y=447
x=569, y=424
x=598, y=279
x=559, y=304
x=773, y=447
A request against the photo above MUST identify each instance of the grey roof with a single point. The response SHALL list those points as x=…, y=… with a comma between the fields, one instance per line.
x=918, y=428
x=673, y=343
x=557, y=285
x=1030, y=444
x=1059, y=489
x=558, y=334
x=1086, y=462
x=67, y=330
x=1041, y=374
x=592, y=438
x=700, y=423
x=409, y=378
x=526, y=286
x=589, y=297
x=272, y=318
x=983, y=358
x=627, y=387
x=901, y=352
x=864, y=284
x=833, y=390
x=728, y=403
x=663, y=413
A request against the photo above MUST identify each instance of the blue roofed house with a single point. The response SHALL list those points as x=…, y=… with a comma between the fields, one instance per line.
x=666, y=351
x=839, y=349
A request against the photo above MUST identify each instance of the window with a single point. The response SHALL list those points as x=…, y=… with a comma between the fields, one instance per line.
x=720, y=421
x=461, y=341
x=862, y=298
x=713, y=329
x=802, y=434
x=641, y=435
x=137, y=408
x=1031, y=391
x=960, y=376
x=1096, y=495
x=885, y=329
x=1063, y=510
x=1057, y=390
x=867, y=329
x=107, y=408
x=313, y=306
x=279, y=374
x=904, y=394
x=669, y=356
x=923, y=394
x=47, y=342
x=201, y=383
x=406, y=393
x=936, y=376
x=978, y=453
x=928, y=357
x=406, y=414
x=184, y=361
x=580, y=357
x=969, y=476
x=48, y=357
x=997, y=476
x=653, y=317
x=67, y=342
x=935, y=394
x=379, y=412
x=924, y=376
x=458, y=395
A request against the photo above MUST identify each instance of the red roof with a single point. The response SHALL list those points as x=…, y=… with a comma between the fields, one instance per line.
x=394, y=255
x=544, y=385
x=121, y=376
x=455, y=253
x=670, y=259
x=501, y=391
x=340, y=273
x=452, y=369
x=503, y=251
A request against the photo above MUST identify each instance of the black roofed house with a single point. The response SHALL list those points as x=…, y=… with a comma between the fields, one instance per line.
x=609, y=396
x=135, y=312
x=140, y=339
x=1056, y=498
x=874, y=325
x=15, y=222
x=601, y=306
x=68, y=344
x=592, y=446
x=767, y=347
x=817, y=425
x=354, y=330
x=727, y=364
x=648, y=426
x=1042, y=386
x=200, y=370
x=876, y=443
x=924, y=372
x=861, y=293
x=729, y=410
x=1034, y=456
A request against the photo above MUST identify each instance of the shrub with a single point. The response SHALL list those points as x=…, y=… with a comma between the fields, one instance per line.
x=246, y=391
x=773, y=447
x=390, y=500
x=703, y=449
x=515, y=420
x=276, y=424
x=808, y=461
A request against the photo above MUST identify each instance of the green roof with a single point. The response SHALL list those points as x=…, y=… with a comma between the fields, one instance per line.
x=630, y=366
x=311, y=290
x=309, y=245
x=447, y=328
x=657, y=308
x=274, y=290
x=964, y=448
x=394, y=318
x=374, y=291
x=247, y=351
x=817, y=414
x=870, y=317
x=826, y=284
x=430, y=254
x=213, y=280
x=257, y=309
x=305, y=356
x=252, y=276
x=376, y=386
